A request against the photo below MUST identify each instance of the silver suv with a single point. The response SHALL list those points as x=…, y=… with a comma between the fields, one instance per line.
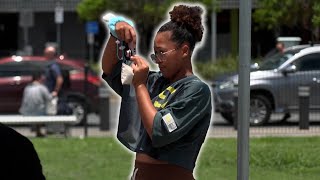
x=274, y=85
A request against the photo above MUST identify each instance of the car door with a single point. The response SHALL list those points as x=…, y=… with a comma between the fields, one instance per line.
x=14, y=76
x=12, y=84
x=308, y=70
x=306, y=74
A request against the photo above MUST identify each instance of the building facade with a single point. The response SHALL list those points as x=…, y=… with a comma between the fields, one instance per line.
x=26, y=26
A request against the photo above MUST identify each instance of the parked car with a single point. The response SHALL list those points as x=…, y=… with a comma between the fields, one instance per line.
x=16, y=73
x=274, y=85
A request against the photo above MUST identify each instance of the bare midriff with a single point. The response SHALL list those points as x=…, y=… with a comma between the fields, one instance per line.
x=144, y=158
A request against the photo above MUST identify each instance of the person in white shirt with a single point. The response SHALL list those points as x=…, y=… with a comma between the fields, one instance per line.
x=35, y=99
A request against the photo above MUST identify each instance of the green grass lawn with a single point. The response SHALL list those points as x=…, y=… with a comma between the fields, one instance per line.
x=293, y=158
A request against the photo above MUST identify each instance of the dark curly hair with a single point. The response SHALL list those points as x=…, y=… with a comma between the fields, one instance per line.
x=185, y=25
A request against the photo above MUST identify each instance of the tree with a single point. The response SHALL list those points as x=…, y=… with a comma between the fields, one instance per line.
x=300, y=15
x=90, y=10
x=146, y=14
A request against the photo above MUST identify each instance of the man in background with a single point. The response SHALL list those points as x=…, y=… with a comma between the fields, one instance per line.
x=54, y=82
x=54, y=78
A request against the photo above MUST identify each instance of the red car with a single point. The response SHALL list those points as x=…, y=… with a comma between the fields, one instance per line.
x=16, y=73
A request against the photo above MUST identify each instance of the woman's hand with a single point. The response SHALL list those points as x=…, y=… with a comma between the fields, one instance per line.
x=140, y=69
x=126, y=32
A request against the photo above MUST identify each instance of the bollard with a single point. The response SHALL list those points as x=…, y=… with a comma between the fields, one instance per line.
x=304, y=94
x=235, y=110
x=104, y=108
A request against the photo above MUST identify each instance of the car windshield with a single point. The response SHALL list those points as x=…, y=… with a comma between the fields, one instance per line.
x=276, y=60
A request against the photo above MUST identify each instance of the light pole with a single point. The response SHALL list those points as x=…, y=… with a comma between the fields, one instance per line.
x=58, y=20
x=26, y=21
x=243, y=114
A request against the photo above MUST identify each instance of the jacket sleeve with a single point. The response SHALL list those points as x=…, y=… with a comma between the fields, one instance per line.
x=114, y=79
x=190, y=107
x=45, y=92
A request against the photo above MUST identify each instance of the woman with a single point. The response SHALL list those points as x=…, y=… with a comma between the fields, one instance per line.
x=164, y=116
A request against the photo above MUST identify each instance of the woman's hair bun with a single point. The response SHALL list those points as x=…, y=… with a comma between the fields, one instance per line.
x=190, y=17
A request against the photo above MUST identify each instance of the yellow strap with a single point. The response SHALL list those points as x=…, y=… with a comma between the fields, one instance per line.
x=157, y=104
x=171, y=90
x=164, y=105
x=162, y=96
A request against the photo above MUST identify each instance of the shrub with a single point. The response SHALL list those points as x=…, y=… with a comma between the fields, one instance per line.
x=209, y=70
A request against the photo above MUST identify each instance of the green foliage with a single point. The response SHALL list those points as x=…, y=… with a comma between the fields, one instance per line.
x=316, y=10
x=273, y=13
x=90, y=10
x=146, y=14
x=150, y=12
x=209, y=70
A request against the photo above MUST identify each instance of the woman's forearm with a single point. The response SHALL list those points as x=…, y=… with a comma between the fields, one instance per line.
x=109, y=57
x=146, y=108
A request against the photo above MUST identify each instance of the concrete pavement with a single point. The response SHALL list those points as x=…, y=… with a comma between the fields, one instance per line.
x=219, y=128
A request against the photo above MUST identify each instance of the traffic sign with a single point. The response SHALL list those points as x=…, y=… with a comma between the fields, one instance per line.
x=92, y=27
x=58, y=15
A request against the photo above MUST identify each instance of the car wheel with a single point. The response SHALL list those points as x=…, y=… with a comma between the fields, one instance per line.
x=77, y=107
x=227, y=116
x=260, y=110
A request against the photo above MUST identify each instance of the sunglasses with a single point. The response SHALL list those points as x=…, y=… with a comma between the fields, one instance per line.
x=160, y=56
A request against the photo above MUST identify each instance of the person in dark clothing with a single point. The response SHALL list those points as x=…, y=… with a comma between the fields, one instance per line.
x=19, y=158
x=164, y=116
x=54, y=78
x=54, y=81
